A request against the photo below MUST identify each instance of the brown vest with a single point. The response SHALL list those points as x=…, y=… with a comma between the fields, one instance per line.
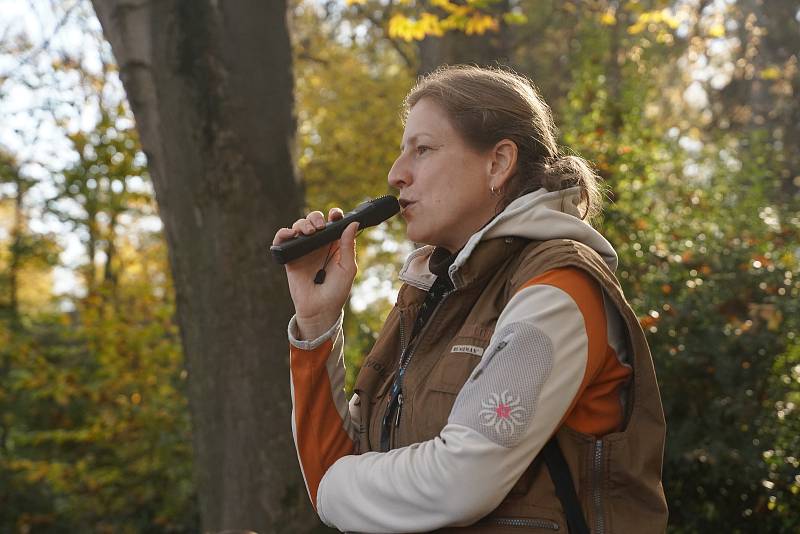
x=617, y=478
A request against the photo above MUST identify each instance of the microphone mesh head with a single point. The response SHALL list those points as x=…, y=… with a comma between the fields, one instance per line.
x=380, y=209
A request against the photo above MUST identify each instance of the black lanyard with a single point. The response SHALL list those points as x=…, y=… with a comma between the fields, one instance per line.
x=441, y=287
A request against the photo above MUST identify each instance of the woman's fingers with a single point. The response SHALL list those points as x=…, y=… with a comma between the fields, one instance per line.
x=284, y=234
x=335, y=214
x=311, y=223
x=303, y=226
x=347, y=246
x=317, y=219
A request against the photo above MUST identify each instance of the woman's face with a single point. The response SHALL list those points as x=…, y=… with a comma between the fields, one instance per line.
x=444, y=185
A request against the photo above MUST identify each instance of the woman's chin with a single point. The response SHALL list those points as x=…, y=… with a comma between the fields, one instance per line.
x=411, y=233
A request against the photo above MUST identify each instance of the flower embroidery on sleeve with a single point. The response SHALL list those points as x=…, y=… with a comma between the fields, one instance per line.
x=503, y=412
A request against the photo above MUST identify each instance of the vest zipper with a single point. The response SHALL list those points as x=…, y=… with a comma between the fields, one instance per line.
x=522, y=522
x=402, y=336
x=399, y=409
x=599, y=523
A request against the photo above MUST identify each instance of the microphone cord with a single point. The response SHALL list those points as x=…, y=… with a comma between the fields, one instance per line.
x=320, y=276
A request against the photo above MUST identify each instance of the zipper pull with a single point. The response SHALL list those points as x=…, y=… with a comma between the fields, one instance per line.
x=399, y=409
x=485, y=363
x=402, y=336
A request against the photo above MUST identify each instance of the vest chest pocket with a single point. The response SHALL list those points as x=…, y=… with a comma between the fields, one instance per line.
x=433, y=400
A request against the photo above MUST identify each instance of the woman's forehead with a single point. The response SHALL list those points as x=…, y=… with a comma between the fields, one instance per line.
x=426, y=119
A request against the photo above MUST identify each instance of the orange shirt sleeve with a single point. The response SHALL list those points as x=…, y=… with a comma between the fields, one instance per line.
x=320, y=433
x=597, y=408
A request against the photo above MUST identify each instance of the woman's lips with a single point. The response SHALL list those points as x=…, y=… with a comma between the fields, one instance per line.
x=405, y=204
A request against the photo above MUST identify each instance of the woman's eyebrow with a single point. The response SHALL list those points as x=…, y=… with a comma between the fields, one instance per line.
x=413, y=139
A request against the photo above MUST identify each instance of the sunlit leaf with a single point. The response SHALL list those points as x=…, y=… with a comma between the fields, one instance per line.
x=513, y=18
x=770, y=73
x=479, y=24
x=608, y=18
x=716, y=30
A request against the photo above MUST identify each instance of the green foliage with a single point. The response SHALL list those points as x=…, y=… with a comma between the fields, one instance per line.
x=95, y=433
x=95, y=192
x=95, y=427
x=21, y=250
x=349, y=97
x=728, y=317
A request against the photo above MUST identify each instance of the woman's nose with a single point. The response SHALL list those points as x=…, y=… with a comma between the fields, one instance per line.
x=399, y=175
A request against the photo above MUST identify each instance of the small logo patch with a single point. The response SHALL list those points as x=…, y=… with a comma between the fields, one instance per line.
x=502, y=412
x=469, y=349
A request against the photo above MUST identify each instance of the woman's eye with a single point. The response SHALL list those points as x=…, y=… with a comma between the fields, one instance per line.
x=421, y=149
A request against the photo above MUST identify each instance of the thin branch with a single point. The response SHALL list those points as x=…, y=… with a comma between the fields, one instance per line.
x=308, y=57
x=46, y=43
x=380, y=24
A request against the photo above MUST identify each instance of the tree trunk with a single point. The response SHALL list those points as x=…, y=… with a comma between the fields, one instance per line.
x=210, y=85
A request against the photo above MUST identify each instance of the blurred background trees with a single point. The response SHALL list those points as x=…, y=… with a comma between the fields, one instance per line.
x=689, y=109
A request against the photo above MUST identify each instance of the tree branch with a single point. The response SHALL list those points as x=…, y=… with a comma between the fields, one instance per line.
x=393, y=42
x=46, y=43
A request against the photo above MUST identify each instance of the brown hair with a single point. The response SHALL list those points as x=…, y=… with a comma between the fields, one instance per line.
x=487, y=105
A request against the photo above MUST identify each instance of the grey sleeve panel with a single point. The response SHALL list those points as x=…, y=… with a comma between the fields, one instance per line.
x=499, y=398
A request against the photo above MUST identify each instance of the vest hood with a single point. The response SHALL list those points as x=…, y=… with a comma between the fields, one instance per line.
x=538, y=216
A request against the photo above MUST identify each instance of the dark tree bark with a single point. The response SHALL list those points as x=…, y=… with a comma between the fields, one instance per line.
x=210, y=85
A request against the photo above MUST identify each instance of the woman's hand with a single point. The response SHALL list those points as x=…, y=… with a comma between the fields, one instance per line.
x=317, y=306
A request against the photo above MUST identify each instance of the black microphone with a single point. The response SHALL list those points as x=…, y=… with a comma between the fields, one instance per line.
x=370, y=213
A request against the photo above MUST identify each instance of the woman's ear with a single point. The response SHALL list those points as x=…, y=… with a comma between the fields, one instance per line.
x=503, y=163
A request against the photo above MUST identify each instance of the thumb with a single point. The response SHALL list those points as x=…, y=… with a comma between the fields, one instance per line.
x=347, y=246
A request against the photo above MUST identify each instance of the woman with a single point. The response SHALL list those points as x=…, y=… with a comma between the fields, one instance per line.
x=510, y=329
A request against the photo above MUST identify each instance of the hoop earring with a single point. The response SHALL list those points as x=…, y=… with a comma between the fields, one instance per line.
x=493, y=190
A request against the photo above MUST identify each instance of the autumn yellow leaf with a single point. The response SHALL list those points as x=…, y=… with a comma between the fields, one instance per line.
x=514, y=18
x=669, y=20
x=770, y=73
x=446, y=5
x=608, y=18
x=408, y=29
x=654, y=18
x=400, y=27
x=430, y=25
x=716, y=30
x=636, y=28
x=478, y=24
